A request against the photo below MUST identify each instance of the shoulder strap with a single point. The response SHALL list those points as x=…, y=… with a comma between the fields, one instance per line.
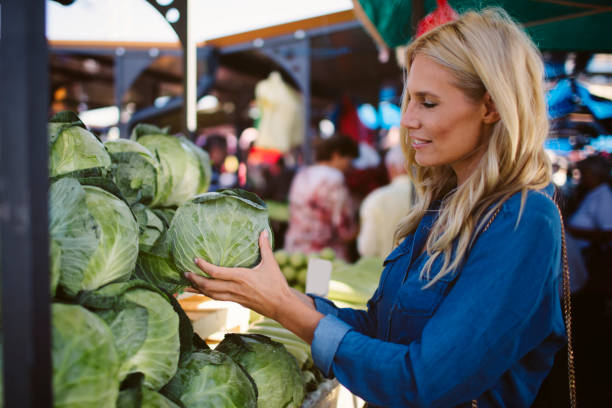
x=567, y=307
x=567, y=312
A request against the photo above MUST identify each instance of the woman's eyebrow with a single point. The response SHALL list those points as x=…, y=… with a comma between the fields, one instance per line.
x=422, y=94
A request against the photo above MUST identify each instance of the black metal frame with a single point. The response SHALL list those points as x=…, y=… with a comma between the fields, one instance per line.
x=23, y=204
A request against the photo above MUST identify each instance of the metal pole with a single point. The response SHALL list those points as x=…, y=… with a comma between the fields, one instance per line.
x=190, y=66
x=24, y=238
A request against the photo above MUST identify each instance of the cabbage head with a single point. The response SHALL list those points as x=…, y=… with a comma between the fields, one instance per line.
x=94, y=234
x=209, y=379
x=143, y=398
x=221, y=227
x=155, y=263
x=182, y=165
x=135, y=170
x=85, y=361
x=275, y=371
x=145, y=327
x=72, y=147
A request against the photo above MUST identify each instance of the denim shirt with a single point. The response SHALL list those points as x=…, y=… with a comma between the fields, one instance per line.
x=488, y=331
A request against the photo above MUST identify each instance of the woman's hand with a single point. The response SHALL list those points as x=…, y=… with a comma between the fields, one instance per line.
x=263, y=289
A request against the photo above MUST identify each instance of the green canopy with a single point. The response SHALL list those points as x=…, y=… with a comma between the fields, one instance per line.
x=554, y=25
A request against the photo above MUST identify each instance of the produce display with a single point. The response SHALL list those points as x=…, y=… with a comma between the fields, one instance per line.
x=209, y=378
x=126, y=219
x=85, y=360
x=294, y=265
x=270, y=365
x=352, y=285
x=294, y=345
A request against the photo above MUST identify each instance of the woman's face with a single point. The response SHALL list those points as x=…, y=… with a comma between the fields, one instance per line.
x=444, y=126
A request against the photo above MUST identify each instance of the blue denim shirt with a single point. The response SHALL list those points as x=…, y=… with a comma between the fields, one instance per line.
x=489, y=331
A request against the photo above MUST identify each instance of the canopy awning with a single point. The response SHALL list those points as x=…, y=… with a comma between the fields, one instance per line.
x=554, y=25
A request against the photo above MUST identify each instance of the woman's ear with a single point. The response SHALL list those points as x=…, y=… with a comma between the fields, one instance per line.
x=490, y=115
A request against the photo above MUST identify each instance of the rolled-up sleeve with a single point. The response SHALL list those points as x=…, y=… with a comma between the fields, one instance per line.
x=327, y=337
x=503, y=306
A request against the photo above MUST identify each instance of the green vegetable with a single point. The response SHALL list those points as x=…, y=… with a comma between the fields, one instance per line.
x=296, y=346
x=85, y=361
x=153, y=229
x=290, y=273
x=282, y=257
x=134, y=395
x=145, y=327
x=184, y=170
x=95, y=236
x=328, y=254
x=155, y=262
x=210, y=379
x=204, y=161
x=147, y=398
x=220, y=227
x=134, y=169
x=298, y=260
x=301, y=276
x=275, y=371
x=355, y=283
x=72, y=147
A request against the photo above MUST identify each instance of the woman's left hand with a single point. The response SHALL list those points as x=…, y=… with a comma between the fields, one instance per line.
x=263, y=288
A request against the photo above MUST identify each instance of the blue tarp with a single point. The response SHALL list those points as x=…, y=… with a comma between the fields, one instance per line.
x=564, y=99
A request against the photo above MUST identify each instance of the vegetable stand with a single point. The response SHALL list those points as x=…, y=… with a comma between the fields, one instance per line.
x=111, y=208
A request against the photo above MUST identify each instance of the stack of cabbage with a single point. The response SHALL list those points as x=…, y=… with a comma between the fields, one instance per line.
x=126, y=218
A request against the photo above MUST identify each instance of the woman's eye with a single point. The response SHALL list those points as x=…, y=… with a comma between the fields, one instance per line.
x=429, y=105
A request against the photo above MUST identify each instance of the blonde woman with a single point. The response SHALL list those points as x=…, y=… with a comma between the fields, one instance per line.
x=468, y=305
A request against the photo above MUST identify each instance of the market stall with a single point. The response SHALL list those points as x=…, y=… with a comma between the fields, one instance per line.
x=122, y=224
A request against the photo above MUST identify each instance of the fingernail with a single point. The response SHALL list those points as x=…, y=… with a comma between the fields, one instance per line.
x=187, y=275
x=195, y=260
x=265, y=234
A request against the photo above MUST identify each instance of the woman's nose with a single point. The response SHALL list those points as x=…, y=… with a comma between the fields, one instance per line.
x=409, y=120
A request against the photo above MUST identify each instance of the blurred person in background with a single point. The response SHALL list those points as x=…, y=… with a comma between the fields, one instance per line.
x=278, y=178
x=384, y=207
x=591, y=223
x=216, y=146
x=589, y=233
x=321, y=213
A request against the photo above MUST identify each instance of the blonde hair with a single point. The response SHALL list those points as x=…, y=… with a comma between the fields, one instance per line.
x=486, y=52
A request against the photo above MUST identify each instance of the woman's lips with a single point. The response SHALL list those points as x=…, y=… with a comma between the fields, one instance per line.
x=418, y=143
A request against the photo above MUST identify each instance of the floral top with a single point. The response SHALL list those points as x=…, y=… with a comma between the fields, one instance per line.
x=321, y=212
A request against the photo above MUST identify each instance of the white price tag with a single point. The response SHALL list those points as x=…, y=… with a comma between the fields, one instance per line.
x=317, y=276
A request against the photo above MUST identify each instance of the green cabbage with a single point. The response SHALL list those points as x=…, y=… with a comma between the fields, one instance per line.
x=275, y=371
x=154, y=227
x=134, y=169
x=94, y=233
x=209, y=379
x=155, y=262
x=204, y=161
x=72, y=147
x=143, y=398
x=221, y=227
x=182, y=164
x=145, y=326
x=153, y=399
x=85, y=361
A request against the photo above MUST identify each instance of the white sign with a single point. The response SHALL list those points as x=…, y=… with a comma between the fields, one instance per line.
x=318, y=275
